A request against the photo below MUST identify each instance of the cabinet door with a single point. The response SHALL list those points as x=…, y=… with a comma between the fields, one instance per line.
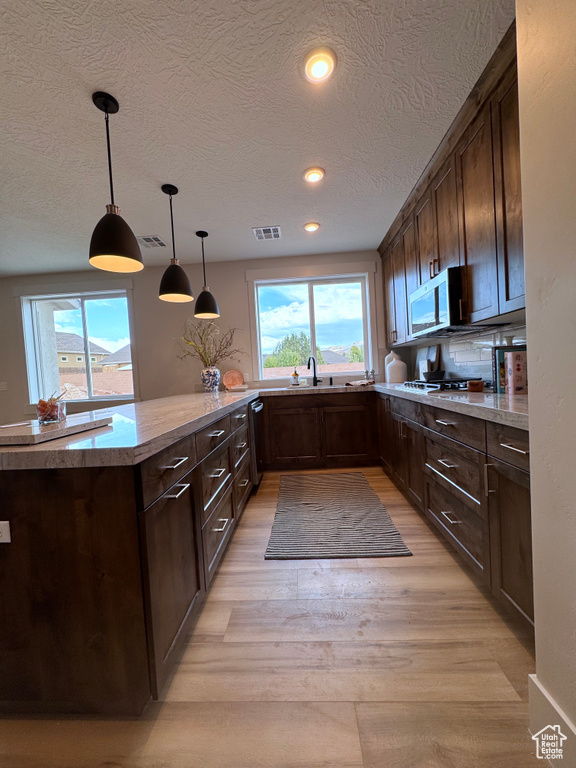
x=172, y=575
x=411, y=266
x=400, y=307
x=506, y=134
x=425, y=237
x=411, y=434
x=389, y=299
x=385, y=433
x=511, y=537
x=445, y=198
x=294, y=437
x=478, y=218
x=347, y=434
x=400, y=453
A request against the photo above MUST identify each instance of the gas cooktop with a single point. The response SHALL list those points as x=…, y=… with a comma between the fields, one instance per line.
x=443, y=385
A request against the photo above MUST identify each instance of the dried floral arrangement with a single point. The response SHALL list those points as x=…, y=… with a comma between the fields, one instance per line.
x=204, y=341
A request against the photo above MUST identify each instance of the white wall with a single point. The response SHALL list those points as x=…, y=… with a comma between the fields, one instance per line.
x=547, y=80
x=157, y=324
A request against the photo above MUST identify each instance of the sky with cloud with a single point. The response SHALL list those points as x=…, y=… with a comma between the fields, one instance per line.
x=107, y=321
x=284, y=309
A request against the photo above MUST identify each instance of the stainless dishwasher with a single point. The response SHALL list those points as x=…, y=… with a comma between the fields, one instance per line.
x=256, y=441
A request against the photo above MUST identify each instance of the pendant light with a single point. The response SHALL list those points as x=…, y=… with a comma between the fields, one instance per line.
x=206, y=307
x=174, y=285
x=113, y=246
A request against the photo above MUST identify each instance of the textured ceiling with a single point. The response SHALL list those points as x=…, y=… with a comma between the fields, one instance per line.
x=212, y=99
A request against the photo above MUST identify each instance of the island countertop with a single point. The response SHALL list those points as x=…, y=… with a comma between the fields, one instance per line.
x=137, y=431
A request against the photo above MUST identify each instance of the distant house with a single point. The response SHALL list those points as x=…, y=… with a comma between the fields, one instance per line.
x=119, y=360
x=71, y=353
x=331, y=357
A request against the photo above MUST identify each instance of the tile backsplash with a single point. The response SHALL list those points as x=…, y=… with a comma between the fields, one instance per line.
x=471, y=356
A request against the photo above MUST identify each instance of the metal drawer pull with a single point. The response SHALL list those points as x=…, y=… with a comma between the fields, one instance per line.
x=455, y=485
x=430, y=269
x=241, y=416
x=178, y=460
x=447, y=464
x=512, y=448
x=487, y=490
x=217, y=433
x=446, y=423
x=241, y=445
x=218, y=472
x=177, y=495
x=244, y=483
x=257, y=408
x=221, y=520
x=447, y=516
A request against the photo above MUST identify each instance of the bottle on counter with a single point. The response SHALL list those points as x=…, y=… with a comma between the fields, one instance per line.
x=396, y=369
x=295, y=378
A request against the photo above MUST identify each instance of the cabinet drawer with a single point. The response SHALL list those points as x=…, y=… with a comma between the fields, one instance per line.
x=408, y=408
x=215, y=533
x=457, y=467
x=238, y=418
x=463, y=527
x=465, y=429
x=242, y=487
x=212, y=436
x=240, y=446
x=215, y=472
x=509, y=444
x=165, y=468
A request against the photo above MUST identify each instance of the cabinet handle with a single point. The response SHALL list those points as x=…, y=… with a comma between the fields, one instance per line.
x=217, y=433
x=244, y=483
x=387, y=408
x=430, y=265
x=460, y=310
x=487, y=490
x=177, y=461
x=447, y=464
x=257, y=408
x=218, y=472
x=446, y=423
x=221, y=520
x=180, y=492
x=517, y=450
x=436, y=272
x=404, y=431
x=447, y=516
x=241, y=416
x=241, y=445
x=395, y=336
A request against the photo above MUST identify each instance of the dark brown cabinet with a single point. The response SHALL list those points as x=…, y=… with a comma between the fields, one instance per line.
x=386, y=433
x=426, y=244
x=171, y=573
x=327, y=430
x=511, y=537
x=445, y=199
x=400, y=305
x=408, y=464
x=506, y=138
x=389, y=306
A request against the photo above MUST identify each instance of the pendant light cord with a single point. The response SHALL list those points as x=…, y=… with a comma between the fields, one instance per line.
x=172, y=225
x=109, y=159
x=203, y=262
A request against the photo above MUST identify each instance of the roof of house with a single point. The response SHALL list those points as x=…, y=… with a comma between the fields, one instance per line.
x=120, y=357
x=71, y=342
x=331, y=357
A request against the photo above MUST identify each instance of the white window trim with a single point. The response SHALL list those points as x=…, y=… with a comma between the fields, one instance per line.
x=365, y=269
x=27, y=293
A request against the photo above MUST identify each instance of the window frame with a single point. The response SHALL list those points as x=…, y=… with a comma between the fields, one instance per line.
x=34, y=372
x=315, y=274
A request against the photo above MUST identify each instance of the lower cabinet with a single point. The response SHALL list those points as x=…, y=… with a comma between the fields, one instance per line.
x=171, y=572
x=386, y=433
x=511, y=537
x=319, y=430
x=216, y=532
x=408, y=464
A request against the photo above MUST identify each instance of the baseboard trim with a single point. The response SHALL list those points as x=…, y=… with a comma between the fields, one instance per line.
x=544, y=710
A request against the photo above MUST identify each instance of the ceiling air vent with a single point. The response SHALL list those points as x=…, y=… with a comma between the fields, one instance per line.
x=151, y=241
x=267, y=233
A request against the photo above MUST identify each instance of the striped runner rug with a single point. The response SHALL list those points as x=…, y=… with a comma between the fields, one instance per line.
x=331, y=516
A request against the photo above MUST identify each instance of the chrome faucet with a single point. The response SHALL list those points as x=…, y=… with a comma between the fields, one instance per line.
x=315, y=378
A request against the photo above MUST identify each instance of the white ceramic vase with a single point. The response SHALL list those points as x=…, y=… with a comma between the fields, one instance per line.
x=396, y=369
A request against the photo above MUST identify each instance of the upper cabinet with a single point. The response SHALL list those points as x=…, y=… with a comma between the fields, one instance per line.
x=466, y=209
x=506, y=140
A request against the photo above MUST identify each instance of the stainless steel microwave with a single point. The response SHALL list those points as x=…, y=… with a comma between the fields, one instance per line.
x=437, y=305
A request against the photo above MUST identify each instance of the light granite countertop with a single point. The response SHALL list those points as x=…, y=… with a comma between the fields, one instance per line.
x=140, y=430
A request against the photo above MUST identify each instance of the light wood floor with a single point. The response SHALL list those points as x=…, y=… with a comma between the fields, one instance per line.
x=373, y=663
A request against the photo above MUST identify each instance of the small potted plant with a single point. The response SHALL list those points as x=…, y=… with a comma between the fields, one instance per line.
x=205, y=342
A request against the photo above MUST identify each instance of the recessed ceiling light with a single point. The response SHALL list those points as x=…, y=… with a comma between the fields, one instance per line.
x=313, y=175
x=320, y=64
x=312, y=226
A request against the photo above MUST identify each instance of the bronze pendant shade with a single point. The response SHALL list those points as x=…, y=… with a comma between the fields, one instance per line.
x=174, y=286
x=206, y=307
x=113, y=246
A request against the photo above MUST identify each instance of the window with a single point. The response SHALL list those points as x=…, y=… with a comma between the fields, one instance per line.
x=91, y=326
x=326, y=318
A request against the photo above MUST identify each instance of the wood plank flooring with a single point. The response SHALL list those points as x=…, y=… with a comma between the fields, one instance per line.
x=371, y=663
